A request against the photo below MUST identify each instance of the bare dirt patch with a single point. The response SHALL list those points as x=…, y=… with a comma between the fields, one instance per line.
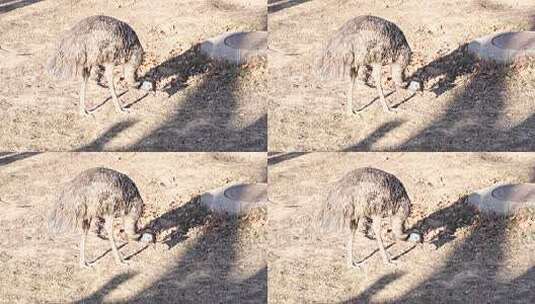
x=198, y=257
x=465, y=106
x=465, y=258
x=198, y=105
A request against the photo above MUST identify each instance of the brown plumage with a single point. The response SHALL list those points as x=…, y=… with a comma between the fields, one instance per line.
x=361, y=42
x=366, y=194
x=97, y=41
x=97, y=194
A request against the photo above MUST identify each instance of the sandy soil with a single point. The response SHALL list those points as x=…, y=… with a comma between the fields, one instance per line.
x=465, y=106
x=465, y=258
x=199, y=257
x=198, y=105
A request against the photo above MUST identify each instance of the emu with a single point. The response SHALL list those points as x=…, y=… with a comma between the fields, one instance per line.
x=362, y=42
x=95, y=42
x=97, y=194
x=366, y=194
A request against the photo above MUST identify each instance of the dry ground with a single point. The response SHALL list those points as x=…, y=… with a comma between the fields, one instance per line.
x=465, y=106
x=198, y=105
x=199, y=257
x=466, y=258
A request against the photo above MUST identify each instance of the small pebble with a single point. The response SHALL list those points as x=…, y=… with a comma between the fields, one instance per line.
x=414, y=86
x=147, y=86
x=415, y=237
x=147, y=238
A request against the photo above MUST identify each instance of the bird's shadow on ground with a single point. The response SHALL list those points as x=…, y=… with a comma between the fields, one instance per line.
x=206, y=118
x=176, y=223
x=173, y=74
x=445, y=222
x=446, y=70
x=471, y=270
x=205, y=273
x=473, y=119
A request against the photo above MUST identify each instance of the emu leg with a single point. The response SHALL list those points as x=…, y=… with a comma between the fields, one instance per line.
x=109, y=77
x=83, y=89
x=377, y=70
x=376, y=225
x=111, y=237
x=350, y=262
x=85, y=230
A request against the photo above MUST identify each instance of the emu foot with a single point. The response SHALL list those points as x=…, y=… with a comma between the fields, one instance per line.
x=87, y=113
x=123, y=110
x=357, y=113
x=87, y=265
x=355, y=265
x=390, y=110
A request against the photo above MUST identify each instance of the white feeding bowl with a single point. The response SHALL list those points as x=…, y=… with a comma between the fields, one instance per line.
x=504, y=47
x=236, y=199
x=236, y=47
x=505, y=199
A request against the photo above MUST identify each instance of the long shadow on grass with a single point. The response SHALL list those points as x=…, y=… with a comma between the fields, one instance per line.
x=367, y=143
x=7, y=158
x=275, y=158
x=471, y=122
x=100, y=143
x=207, y=120
x=204, y=121
x=471, y=273
x=206, y=272
x=9, y=5
x=278, y=5
x=98, y=296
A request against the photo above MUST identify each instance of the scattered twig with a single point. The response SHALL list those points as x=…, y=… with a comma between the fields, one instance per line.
x=283, y=53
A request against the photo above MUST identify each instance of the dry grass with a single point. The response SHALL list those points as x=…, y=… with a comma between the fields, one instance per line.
x=198, y=105
x=465, y=257
x=198, y=257
x=462, y=101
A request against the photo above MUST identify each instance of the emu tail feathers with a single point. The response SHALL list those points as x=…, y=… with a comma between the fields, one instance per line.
x=66, y=62
x=63, y=219
x=58, y=67
x=334, y=217
x=334, y=63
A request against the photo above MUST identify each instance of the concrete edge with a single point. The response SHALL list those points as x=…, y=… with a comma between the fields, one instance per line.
x=216, y=49
x=483, y=49
x=210, y=198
